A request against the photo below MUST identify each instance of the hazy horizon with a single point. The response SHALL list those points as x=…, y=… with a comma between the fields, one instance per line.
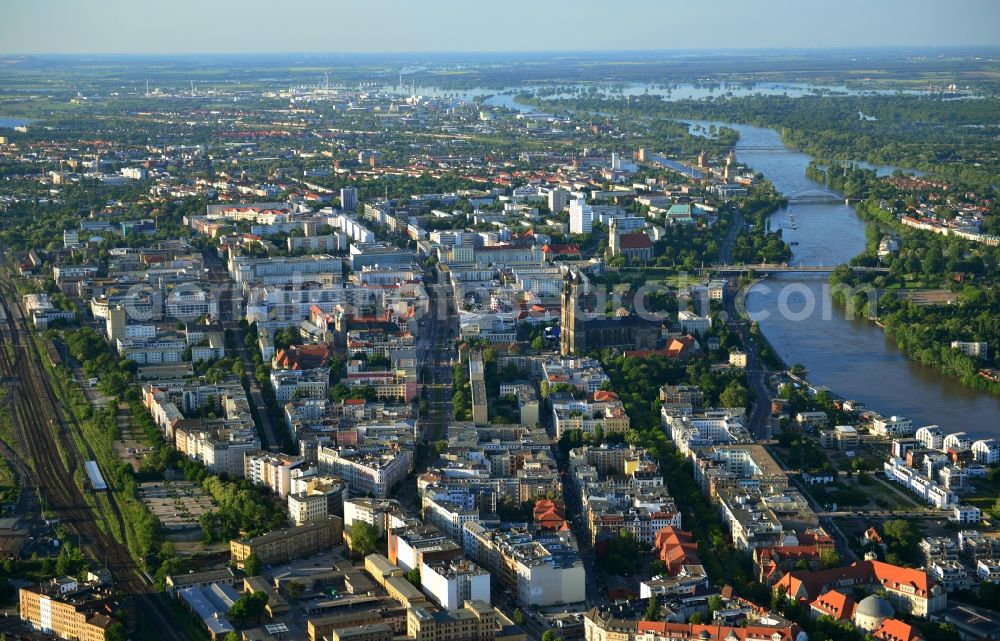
x=254, y=27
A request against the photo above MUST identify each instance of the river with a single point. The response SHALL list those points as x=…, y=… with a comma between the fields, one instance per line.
x=852, y=358
x=504, y=96
x=10, y=123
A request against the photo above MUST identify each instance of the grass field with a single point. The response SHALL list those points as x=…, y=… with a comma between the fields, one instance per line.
x=8, y=483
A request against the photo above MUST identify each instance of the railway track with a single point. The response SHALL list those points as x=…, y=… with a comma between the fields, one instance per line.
x=43, y=434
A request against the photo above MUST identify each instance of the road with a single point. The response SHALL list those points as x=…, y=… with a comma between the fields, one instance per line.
x=759, y=423
x=726, y=251
x=435, y=350
x=574, y=513
x=844, y=548
x=230, y=310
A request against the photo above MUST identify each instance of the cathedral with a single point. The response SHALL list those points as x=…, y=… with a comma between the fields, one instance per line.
x=579, y=334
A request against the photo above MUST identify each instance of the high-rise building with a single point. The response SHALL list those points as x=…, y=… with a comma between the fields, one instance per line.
x=581, y=217
x=349, y=199
x=558, y=198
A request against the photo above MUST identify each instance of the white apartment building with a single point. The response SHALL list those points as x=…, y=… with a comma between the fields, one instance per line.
x=367, y=473
x=608, y=414
x=986, y=451
x=542, y=570
x=950, y=574
x=925, y=488
x=581, y=217
x=291, y=384
x=447, y=515
x=152, y=351
x=451, y=583
x=320, y=267
x=702, y=430
x=558, y=198
x=221, y=454
x=956, y=441
x=692, y=323
x=976, y=349
x=273, y=471
x=383, y=514
x=585, y=374
x=966, y=514
x=71, y=238
x=314, y=496
x=988, y=570
x=930, y=437
x=892, y=426
x=327, y=243
x=188, y=303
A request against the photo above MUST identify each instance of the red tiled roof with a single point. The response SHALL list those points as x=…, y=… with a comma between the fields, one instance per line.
x=806, y=584
x=676, y=548
x=715, y=632
x=896, y=630
x=635, y=241
x=835, y=604
x=561, y=249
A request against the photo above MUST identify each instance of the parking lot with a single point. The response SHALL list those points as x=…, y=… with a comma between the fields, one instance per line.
x=177, y=504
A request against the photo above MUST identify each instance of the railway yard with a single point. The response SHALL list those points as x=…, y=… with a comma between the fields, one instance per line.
x=42, y=436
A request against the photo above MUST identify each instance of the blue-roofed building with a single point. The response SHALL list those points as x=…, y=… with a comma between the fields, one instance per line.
x=211, y=605
x=95, y=477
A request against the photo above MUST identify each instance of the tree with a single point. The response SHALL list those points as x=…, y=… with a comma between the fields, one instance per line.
x=250, y=606
x=64, y=564
x=115, y=632
x=735, y=395
x=364, y=538
x=829, y=559
x=902, y=539
x=252, y=565
x=714, y=605
x=413, y=576
x=826, y=627
x=519, y=617
x=652, y=609
x=232, y=636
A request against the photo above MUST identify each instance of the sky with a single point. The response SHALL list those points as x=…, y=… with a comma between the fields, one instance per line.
x=292, y=26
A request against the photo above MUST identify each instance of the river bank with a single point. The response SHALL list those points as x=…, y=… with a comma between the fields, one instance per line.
x=799, y=320
x=797, y=316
